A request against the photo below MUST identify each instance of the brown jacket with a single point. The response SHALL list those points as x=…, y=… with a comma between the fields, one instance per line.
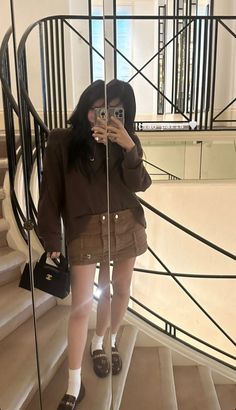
x=71, y=196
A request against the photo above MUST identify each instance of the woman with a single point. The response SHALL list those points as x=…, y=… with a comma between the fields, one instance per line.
x=74, y=187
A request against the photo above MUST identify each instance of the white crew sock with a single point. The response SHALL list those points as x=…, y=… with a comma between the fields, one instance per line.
x=97, y=342
x=74, y=382
x=113, y=339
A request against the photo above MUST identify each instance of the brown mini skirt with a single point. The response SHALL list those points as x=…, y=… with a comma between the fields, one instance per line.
x=127, y=239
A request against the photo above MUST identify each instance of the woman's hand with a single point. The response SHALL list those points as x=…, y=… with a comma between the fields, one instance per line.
x=53, y=255
x=100, y=132
x=119, y=135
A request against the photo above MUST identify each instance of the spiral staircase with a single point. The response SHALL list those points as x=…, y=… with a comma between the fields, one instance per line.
x=159, y=371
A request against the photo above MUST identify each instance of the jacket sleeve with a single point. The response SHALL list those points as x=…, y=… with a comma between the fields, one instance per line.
x=135, y=175
x=50, y=196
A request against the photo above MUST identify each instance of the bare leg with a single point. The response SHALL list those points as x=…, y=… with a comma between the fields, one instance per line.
x=82, y=279
x=103, y=308
x=121, y=280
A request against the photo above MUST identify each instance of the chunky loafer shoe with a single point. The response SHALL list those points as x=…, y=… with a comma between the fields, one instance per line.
x=101, y=364
x=69, y=402
x=116, y=361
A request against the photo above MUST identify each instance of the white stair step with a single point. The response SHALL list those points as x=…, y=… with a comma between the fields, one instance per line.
x=125, y=346
x=2, y=194
x=142, y=389
x=97, y=390
x=4, y=225
x=3, y=163
x=18, y=382
x=190, y=392
x=19, y=309
x=209, y=388
x=167, y=383
x=10, y=262
x=226, y=394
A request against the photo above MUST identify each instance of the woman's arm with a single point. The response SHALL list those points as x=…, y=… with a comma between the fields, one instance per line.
x=134, y=173
x=50, y=197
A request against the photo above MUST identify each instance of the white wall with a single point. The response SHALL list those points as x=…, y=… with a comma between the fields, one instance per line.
x=209, y=210
x=192, y=160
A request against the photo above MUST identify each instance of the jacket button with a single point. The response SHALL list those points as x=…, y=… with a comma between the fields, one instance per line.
x=116, y=217
x=103, y=218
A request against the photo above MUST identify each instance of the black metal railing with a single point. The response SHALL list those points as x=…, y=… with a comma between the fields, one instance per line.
x=54, y=74
x=161, y=172
x=11, y=113
x=170, y=328
x=193, y=84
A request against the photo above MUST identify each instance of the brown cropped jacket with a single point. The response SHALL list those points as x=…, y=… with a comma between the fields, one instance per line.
x=71, y=196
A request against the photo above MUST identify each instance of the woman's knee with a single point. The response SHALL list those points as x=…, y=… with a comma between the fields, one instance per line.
x=81, y=311
x=121, y=289
x=104, y=293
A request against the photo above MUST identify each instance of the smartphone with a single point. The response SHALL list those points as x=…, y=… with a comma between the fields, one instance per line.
x=100, y=113
x=117, y=112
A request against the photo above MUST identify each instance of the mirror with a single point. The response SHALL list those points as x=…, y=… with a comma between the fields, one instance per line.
x=157, y=57
x=17, y=345
x=56, y=95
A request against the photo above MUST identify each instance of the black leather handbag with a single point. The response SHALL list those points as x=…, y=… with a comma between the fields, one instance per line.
x=51, y=279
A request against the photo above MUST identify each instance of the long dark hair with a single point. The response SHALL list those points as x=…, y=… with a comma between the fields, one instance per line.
x=81, y=146
x=123, y=91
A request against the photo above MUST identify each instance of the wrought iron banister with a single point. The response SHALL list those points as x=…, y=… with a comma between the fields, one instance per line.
x=187, y=231
x=170, y=176
x=185, y=275
x=5, y=74
x=170, y=329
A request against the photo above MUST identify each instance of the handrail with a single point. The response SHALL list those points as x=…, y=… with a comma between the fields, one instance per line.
x=193, y=299
x=186, y=230
x=160, y=169
x=185, y=275
x=171, y=329
x=5, y=86
x=172, y=334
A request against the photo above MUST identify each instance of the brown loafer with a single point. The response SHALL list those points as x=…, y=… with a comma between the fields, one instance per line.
x=101, y=365
x=116, y=361
x=69, y=402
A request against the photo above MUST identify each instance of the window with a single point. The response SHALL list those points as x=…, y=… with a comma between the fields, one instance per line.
x=124, y=44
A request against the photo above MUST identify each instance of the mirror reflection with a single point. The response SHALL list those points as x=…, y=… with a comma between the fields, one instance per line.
x=172, y=53
x=17, y=346
x=67, y=181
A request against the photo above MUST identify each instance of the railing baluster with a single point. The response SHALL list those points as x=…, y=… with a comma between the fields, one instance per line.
x=198, y=84
x=47, y=61
x=58, y=64
x=214, y=75
x=204, y=71
x=63, y=65
x=53, y=72
x=43, y=79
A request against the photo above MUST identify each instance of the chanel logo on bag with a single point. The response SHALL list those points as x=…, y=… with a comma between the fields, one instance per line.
x=49, y=276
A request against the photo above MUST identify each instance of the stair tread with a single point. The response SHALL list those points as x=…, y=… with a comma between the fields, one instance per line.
x=126, y=340
x=2, y=193
x=226, y=395
x=189, y=390
x=9, y=258
x=3, y=163
x=143, y=372
x=4, y=225
x=17, y=356
x=97, y=390
x=20, y=309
